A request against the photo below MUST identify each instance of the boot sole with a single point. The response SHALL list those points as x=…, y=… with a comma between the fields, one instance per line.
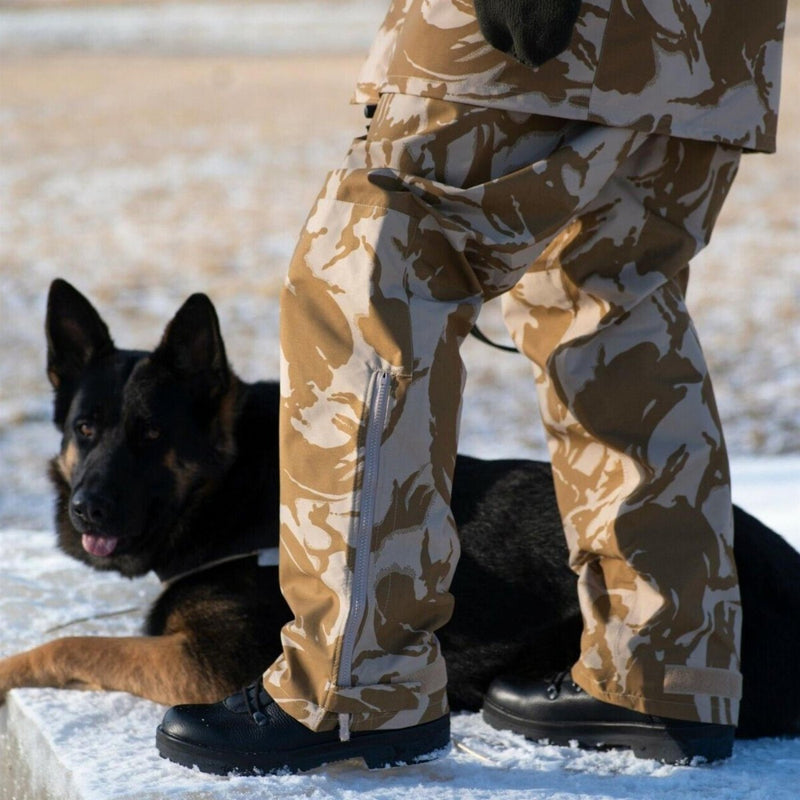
x=378, y=749
x=676, y=745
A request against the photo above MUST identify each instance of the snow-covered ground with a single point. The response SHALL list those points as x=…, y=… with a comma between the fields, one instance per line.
x=97, y=746
x=151, y=150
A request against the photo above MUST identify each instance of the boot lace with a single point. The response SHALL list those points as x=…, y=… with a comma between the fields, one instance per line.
x=256, y=700
x=554, y=683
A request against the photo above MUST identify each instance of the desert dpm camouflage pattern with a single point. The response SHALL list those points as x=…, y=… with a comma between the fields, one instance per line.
x=699, y=69
x=404, y=244
x=638, y=456
x=579, y=191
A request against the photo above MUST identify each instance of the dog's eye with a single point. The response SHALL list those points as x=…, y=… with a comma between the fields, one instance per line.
x=84, y=429
x=151, y=433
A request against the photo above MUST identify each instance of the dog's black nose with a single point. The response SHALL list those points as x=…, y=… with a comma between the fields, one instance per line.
x=89, y=508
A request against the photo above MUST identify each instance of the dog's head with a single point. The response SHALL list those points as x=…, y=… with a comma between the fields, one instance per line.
x=145, y=434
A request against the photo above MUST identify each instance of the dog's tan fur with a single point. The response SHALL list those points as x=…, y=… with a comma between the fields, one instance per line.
x=155, y=667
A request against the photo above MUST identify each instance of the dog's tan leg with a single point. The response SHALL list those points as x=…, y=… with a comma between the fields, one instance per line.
x=159, y=668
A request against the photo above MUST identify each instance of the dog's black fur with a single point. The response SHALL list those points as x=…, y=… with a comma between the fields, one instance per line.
x=173, y=459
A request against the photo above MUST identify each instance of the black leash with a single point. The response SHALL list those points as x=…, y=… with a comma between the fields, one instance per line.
x=481, y=337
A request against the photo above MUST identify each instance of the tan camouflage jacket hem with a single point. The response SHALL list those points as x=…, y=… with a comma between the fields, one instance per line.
x=696, y=69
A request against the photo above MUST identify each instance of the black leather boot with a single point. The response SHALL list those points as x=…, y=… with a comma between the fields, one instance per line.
x=559, y=711
x=249, y=733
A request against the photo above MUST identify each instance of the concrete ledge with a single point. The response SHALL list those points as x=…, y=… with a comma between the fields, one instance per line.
x=16, y=781
x=21, y=779
x=64, y=745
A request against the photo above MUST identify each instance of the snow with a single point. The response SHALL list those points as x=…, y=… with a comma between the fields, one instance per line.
x=279, y=26
x=768, y=489
x=151, y=150
x=99, y=746
x=109, y=745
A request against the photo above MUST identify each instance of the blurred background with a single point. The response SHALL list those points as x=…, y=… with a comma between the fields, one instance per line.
x=152, y=149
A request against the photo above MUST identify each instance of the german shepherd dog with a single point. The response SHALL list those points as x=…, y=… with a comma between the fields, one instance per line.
x=169, y=463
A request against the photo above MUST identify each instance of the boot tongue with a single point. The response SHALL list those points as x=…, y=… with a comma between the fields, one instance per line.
x=101, y=546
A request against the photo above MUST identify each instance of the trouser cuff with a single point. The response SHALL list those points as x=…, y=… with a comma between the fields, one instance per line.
x=696, y=694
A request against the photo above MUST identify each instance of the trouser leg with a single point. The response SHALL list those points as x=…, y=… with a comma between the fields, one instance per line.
x=638, y=456
x=439, y=207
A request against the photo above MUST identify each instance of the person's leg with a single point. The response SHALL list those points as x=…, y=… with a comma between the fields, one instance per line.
x=638, y=456
x=440, y=206
x=402, y=246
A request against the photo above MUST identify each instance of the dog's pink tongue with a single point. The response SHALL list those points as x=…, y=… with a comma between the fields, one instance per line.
x=99, y=545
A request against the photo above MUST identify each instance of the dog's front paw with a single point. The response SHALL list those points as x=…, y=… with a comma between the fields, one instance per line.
x=16, y=672
x=7, y=682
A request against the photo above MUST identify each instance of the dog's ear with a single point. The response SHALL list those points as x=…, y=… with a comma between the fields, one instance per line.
x=192, y=344
x=76, y=335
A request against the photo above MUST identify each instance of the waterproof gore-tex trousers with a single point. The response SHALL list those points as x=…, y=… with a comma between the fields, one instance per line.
x=589, y=231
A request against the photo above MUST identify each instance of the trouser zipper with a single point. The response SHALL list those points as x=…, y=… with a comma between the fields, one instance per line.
x=379, y=396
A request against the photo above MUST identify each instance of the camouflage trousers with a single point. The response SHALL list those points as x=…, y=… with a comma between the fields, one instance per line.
x=587, y=231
